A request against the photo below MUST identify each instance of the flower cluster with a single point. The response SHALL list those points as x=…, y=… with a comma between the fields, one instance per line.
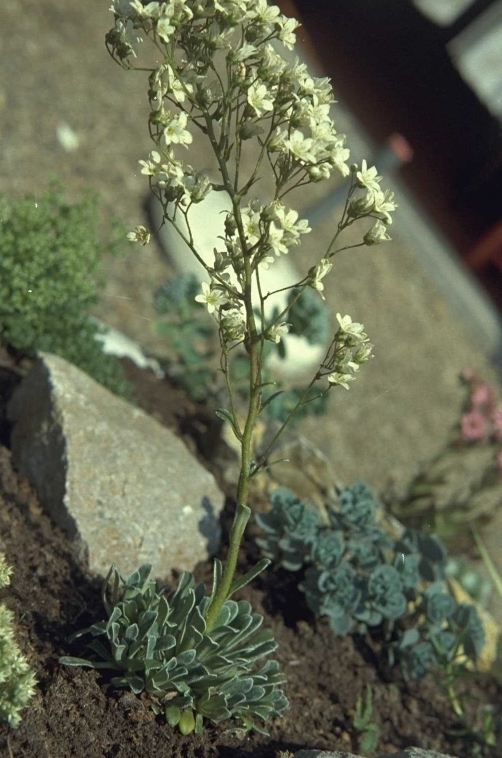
x=374, y=203
x=281, y=107
x=482, y=417
x=349, y=349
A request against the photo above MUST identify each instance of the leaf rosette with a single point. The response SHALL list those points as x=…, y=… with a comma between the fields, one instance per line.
x=161, y=647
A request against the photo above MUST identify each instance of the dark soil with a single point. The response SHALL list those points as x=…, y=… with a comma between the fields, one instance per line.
x=76, y=713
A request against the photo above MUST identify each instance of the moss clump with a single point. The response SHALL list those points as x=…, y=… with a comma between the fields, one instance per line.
x=50, y=273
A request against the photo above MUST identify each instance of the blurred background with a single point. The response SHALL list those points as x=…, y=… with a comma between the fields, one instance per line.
x=432, y=71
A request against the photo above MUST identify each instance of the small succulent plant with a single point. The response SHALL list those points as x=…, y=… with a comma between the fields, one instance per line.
x=160, y=646
x=447, y=634
x=359, y=576
x=356, y=574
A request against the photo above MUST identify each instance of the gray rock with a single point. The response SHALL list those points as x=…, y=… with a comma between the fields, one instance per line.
x=121, y=485
x=412, y=752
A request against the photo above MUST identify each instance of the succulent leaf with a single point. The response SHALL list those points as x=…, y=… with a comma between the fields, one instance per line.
x=160, y=646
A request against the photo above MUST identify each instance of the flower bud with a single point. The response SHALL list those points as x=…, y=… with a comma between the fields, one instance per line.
x=377, y=234
x=233, y=325
x=230, y=225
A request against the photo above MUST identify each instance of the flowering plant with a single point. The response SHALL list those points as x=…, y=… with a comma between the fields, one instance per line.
x=218, y=71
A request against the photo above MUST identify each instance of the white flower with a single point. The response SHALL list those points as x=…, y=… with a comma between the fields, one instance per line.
x=319, y=172
x=243, y=53
x=276, y=332
x=123, y=8
x=251, y=225
x=377, y=234
x=139, y=234
x=165, y=80
x=287, y=31
x=384, y=204
x=275, y=240
x=175, y=132
x=149, y=11
x=198, y=186
x=150, y=167
x=272, y=63
x=266, y=261
x=368, y=177
x=363, y=353
x=229, y=7
x=264, y=12
x=278, y=141
x=361, y=206
x=259, y=98
x=339, y=154
x=342, y=379
x=169, y=175
x=317, y=274
x=288, y=219
x=164, y=28
x=211, y=297
x=351, y=332
x=300, y=147
x=322, y=129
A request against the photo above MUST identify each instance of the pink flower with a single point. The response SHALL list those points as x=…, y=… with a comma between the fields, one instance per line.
x=473, y=426
x=481, y=394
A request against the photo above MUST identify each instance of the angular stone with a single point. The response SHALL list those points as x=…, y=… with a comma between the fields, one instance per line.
x=120, y=484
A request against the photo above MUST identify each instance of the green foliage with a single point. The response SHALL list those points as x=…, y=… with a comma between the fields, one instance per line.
x=189, y=332
x=16, y=678
x=161, y=647
x=358, y=576
x=50, y=273
x=309, y=317
x=369, y=731
x=447, y=635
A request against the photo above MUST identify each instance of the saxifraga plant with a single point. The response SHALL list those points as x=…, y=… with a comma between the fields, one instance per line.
x=50, y=257
x=359, y=577
x=214, y=68
x=160, y=645
x=17, y=680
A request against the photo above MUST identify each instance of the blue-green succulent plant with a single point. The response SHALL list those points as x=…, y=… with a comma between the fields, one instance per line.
x=159, y=645
x=355, y=573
